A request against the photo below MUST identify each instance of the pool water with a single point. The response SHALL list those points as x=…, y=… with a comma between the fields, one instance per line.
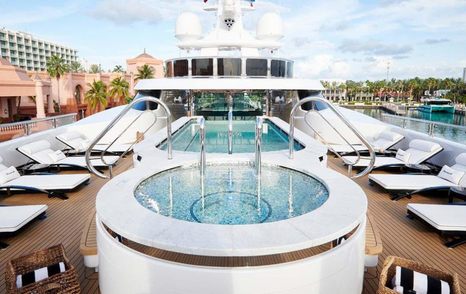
x=231, y=194
x=273, y=138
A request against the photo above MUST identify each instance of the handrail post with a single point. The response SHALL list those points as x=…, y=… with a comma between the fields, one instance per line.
x=258, y=153
x=230, y=130
x=54, y=123
x=201, y=122
x=342, y=118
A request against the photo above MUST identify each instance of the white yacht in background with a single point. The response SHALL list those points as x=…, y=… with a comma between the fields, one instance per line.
x=231, y=189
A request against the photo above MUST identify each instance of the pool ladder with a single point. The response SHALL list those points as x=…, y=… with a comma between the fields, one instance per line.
x=330, y=106
x=258, y=141
x=112, y=124
x=230, y=130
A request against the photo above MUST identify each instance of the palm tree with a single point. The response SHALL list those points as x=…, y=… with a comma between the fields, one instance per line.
x=145, y=72
x=75, y=67
x=95, y=68
x=119, y=89
x=96, y=96
x=56, y=67
x=118, y=68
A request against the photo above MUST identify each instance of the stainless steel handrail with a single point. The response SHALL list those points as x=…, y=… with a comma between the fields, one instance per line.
x=431, y=124
x=358, y=155
x=230, y=130
x=117, y=119
x=202, y=163
x=342, y=118
x=258, y=141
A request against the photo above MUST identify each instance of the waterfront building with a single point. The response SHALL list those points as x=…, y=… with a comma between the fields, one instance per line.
x=20, y=89
x=29, y=52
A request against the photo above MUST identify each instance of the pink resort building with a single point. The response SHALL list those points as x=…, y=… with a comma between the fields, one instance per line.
x=32, y=94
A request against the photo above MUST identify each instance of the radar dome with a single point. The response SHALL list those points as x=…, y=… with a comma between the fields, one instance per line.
x=188, y=27
x=270, y=27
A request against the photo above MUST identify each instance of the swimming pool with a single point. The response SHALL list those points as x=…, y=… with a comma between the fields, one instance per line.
x=273, y=138
x=231, y=194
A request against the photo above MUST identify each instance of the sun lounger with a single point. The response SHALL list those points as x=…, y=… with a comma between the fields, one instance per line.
x=382, y=143
x=448, y=219
x=405, y=185
x=80, y=143
x=418, y=152
x=42, y=153
x=13, y=218
x=53, y=185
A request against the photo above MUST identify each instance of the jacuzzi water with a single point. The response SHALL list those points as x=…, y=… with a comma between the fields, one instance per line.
x=232, y=194
x=273, y=138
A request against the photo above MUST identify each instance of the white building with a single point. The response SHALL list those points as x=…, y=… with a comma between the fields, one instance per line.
x=30, y=53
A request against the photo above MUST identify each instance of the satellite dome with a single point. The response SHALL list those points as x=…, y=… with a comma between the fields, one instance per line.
x=270, y=27
x=188, y=27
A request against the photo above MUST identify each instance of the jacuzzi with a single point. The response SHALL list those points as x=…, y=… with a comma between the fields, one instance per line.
x=145, y=248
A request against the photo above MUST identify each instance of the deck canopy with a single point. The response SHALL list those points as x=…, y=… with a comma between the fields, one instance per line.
x=228, y=84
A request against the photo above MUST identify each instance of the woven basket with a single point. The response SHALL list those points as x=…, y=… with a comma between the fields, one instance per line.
x=65, y=282
x=389, y=268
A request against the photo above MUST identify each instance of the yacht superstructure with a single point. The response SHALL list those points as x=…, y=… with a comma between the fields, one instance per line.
x=212, y=197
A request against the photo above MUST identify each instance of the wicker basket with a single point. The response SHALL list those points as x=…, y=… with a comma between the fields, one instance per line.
x=65, y=282
x=389, y=268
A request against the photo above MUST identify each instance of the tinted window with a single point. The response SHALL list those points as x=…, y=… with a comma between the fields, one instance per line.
x=229, y=66
x=203, y=67
x=146, y=105
x=169, y=66
x=289, y=69
x=256, y=67
x=180, y=68
x=278, y=68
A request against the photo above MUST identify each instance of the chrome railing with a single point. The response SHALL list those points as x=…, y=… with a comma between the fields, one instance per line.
x=202, y=161
x=323, y=140
x=28, y=126
x=431, y=125
x=230, y=130
x=368, y=169
x=258, y=141
x=116, y=120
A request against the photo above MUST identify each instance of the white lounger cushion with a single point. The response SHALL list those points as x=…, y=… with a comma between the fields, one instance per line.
x=451, y=174
x=383, y=142
x=41, y=151
x=8, y=174
x=379, y=161
x=81, y=143
x=49, y=182
x=440, y=216
x=419, y=151
x=409, y=182
x=13, y=218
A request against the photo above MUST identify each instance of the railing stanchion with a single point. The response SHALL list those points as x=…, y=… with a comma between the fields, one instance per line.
x=343, y=119
x=258, y=153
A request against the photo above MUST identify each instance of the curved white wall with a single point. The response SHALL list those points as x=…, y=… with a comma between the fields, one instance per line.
x=122, y=270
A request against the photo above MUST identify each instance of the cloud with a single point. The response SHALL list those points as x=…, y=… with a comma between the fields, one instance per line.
x=323, y=66
x=11, y=18
x=374, y=48
x=124, y=12
x=436, y=41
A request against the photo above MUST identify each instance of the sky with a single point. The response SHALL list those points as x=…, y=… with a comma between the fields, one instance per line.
x=332, y=40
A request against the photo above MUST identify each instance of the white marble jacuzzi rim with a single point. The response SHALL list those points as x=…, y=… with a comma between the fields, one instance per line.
x=147, y=147
x=344, y=210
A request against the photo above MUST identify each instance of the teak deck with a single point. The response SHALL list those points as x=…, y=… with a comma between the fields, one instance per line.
x=66, y=219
